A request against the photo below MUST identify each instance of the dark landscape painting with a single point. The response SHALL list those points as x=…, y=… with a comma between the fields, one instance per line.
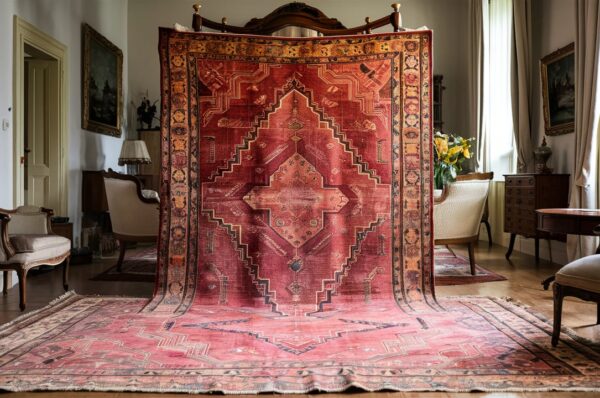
x=558, y=88
x=102, y=84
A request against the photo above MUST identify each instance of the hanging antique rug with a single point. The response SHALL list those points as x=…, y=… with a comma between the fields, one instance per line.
x=295, y=249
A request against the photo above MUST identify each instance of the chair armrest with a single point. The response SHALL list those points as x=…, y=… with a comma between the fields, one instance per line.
x=5, y=245
x=49, y=215
x=441, y=199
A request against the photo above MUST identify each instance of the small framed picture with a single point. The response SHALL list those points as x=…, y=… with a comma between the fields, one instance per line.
x=558, y=90
x=102, y=84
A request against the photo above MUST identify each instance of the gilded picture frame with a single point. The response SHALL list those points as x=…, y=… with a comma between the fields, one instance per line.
x=558, y=90
x=101, y=84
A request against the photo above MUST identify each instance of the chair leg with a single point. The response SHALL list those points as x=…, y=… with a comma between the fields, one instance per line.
x=5, y=283
x=558, y=301
x=66, y=273
x=598, y=314
x=22, y=275
x=472, y=258
x=121, y=254
x=489, y=232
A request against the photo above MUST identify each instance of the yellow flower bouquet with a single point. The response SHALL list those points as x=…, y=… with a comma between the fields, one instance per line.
x=450, y=152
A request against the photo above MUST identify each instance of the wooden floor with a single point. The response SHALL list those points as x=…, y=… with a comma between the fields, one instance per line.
x=523, y=284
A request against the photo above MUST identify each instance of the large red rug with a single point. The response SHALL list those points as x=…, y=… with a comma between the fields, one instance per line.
x=295, y=248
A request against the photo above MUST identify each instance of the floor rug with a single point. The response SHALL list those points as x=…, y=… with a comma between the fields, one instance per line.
x=468, y=344
x=295, y=247
x=452, y=269
x=139, y=265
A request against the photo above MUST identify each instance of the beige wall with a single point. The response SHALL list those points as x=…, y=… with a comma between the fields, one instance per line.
x=553, y=28
x=448, y=19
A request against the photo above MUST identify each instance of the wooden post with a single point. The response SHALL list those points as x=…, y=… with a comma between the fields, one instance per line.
x=368, y=21
x=224, y=23
x=197, y=19
x=396, y=17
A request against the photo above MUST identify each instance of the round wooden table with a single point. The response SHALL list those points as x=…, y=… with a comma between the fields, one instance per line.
x=570, y=222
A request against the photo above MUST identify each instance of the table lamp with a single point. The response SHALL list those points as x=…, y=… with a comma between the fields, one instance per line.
x=134, y=152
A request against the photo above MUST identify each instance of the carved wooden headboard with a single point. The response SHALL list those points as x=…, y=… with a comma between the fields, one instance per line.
x=297, y=15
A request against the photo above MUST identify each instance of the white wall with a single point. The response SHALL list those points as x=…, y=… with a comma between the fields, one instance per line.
x=448, y=19
x=62, y=20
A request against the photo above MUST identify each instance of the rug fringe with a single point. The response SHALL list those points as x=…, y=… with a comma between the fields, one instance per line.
x=534, y=312
x=63, y=297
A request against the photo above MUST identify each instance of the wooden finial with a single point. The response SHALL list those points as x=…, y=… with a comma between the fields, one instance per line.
x=368, y=21
x=396, y=17
x=224, y=23
x=196, y=18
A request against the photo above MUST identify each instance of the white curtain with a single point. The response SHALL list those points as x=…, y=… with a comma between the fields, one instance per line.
x=584, y=190
x=497, y=88
x=521, y=84
x=477, y=39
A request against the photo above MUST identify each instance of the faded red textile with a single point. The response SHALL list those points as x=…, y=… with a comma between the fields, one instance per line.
x=296, y=172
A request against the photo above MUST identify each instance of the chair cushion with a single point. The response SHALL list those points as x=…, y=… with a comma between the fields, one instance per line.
x=583, y=273
x=46, y=256
x=34, y=243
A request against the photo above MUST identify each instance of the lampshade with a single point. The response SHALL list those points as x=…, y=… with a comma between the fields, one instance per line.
x=134, y=152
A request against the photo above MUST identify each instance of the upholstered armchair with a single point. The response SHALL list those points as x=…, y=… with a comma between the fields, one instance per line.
x=457, y=214
x=134, y=214
x=26, y=242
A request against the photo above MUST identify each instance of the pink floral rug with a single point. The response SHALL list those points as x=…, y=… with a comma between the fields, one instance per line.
x=451, y=269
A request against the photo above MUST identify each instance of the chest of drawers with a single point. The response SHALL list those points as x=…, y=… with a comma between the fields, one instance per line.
x=524, y=193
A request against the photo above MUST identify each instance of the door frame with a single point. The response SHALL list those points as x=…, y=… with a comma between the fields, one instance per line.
x=25, y=33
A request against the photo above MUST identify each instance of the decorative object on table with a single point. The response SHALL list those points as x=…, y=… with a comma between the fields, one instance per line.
x=451, y=269
x=139, y=265
x=558, y=90
x=524, y=193
x=134, y=152
x=541, y=155
x=449, y=154
x=102, y=92
x=146, y=113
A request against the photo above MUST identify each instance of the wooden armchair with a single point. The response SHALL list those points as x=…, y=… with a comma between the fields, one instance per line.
x=26, y=242
x=486, y=211
x=457, y=215
x=134, y=214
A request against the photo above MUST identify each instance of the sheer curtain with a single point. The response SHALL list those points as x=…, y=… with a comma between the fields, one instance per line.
x=497, y=89
x=584, y=190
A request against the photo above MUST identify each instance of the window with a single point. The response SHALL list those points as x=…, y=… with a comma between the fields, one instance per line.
x=501, y=156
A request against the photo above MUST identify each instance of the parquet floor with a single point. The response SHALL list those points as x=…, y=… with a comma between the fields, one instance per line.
x=523, y=284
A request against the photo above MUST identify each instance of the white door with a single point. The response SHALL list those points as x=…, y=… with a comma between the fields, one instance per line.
x=42, y=146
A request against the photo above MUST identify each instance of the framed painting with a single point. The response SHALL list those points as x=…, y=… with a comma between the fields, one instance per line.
x=558, y=90
x=102, y=84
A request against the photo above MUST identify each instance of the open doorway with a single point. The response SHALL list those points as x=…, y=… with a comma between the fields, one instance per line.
x=40, y=133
